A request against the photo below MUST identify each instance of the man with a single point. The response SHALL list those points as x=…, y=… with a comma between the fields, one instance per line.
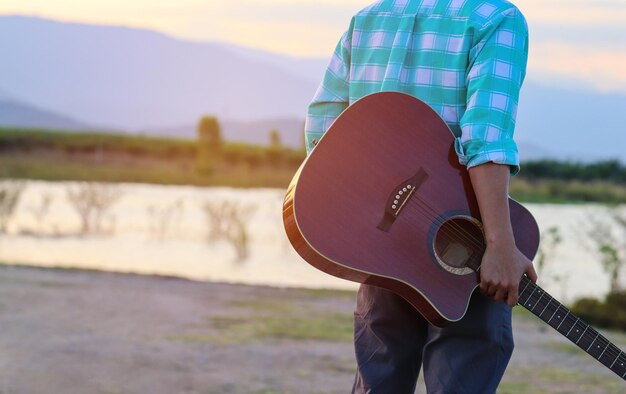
x=467, y=60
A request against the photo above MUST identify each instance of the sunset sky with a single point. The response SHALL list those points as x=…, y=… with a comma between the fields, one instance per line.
x=583, y=40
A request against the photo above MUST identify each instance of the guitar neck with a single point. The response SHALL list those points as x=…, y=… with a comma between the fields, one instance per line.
x=551, y=311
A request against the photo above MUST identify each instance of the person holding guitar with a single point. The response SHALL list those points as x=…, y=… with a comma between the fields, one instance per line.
x=467, y=60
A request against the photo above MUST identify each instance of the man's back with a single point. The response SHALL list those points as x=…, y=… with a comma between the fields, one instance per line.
x=465, y=58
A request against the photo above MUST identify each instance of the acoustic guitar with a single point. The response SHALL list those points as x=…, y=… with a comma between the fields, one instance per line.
x=383, y=200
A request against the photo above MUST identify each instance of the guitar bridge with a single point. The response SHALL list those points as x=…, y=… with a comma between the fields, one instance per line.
x=399, y=197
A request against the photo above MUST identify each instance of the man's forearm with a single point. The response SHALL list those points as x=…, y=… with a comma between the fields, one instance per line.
x=503, y=264
x=491, y=187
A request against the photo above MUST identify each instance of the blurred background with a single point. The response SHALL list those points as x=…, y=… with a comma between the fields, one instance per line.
x=158, y=137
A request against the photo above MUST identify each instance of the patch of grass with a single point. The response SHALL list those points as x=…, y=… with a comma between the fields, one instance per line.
x=268, y=391
x=263, y=319
x=42, y=283
x=546, y=379
x=326, y=327
x=568, y=348
x=581, y=382
x=515, y=388
x=107, y=157
x=341, y=366
x=567, y=191
x=195, y=338
x=58, y=167
x=521, y=312
x=55, y=285
x=322, y=293
x=272, y=306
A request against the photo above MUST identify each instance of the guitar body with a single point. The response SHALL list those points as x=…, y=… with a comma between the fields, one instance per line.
x=382, y=200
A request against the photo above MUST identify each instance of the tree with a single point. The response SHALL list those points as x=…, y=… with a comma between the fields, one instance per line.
x=275, y=139
x=275, y=152
x=10, y=193
x=550, y=239
x=209, y=144
x=611, y=248
x=92, y=202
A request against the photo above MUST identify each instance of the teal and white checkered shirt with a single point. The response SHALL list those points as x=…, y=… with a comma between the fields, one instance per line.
x=465, y=58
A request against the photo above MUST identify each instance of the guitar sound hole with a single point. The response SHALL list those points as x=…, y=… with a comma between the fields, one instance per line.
x=459, y=245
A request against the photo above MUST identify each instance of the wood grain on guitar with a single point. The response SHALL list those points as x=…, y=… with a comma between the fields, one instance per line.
x=391, y=154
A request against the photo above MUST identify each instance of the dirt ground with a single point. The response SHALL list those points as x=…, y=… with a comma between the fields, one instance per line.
x=67, y=331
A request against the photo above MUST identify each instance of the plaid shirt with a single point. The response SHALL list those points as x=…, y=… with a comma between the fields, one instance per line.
x=465, y=58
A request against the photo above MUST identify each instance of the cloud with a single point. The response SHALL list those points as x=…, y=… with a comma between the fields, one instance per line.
x=570, y=13
x=604, y=69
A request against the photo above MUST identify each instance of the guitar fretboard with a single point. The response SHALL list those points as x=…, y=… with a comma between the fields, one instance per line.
x=544, y=306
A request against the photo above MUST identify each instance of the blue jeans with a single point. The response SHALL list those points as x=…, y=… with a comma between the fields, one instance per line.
x=392, y=341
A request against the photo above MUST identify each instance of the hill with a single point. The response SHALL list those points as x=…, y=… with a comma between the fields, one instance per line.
x=15, y=114
x=133, y=79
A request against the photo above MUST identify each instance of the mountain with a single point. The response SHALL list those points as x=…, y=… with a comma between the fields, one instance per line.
x=15, y=114
x=572, y=124
x=139, y=79
x=311, y=68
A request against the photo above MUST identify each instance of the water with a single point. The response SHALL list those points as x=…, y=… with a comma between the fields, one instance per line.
x=163, y=230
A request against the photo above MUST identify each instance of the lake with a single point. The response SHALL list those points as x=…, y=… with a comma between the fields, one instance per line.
x=164, y=230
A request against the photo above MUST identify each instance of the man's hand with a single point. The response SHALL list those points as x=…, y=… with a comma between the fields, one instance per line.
x=503, y=264
x=501, y=270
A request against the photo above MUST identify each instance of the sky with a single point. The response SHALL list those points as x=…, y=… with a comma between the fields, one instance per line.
x=582, y=40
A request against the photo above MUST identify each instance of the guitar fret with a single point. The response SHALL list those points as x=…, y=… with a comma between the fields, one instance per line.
x=620, y=360
x=555, y=311
x=522, y=292
x=608, y=355
x=616, y=358
x=588, y=339
x=546, y=307
x=573, y=325
x=564, y=318
x=581, y=335
x=606, y=347
x=591, y=344
x=530, y=296
x=538, y=299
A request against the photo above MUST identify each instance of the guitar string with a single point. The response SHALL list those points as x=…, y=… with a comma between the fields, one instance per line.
x=611, y=349
x=434, y=217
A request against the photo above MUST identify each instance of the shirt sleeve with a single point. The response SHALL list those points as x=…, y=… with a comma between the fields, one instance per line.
x=332, y=96
x=497, y=70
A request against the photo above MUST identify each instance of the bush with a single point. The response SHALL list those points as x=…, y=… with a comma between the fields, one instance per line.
x=611, y=313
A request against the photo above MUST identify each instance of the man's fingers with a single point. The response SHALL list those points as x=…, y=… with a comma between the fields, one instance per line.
x=531, y=273
x=501, y=294
x=488, y=288
x=485, y=286
x=512, y=299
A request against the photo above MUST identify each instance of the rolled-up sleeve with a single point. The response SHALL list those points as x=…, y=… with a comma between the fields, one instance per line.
x=332, y=96
x=496, y=73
